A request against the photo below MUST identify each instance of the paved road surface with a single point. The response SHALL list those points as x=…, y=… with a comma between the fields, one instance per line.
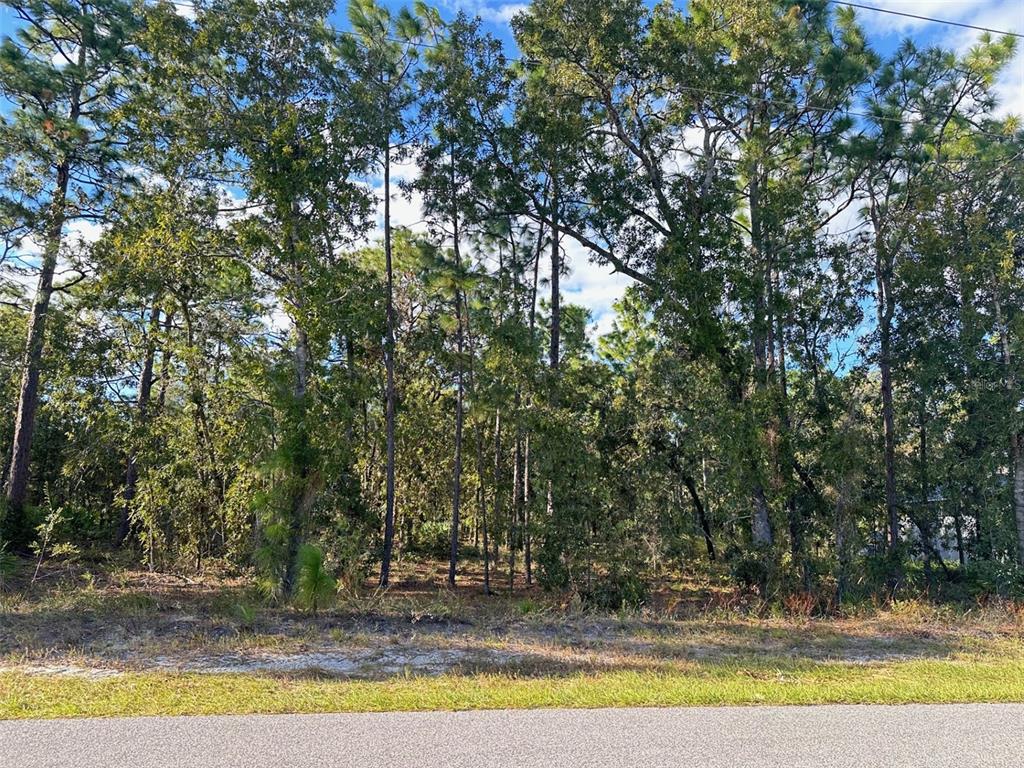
x=767, y=737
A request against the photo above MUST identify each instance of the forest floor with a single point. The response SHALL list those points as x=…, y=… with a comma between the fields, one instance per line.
x=113, y=640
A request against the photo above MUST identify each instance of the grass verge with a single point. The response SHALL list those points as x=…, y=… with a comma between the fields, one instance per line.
x=903, y=682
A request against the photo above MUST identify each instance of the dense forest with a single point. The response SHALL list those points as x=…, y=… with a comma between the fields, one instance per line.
x=217, y=345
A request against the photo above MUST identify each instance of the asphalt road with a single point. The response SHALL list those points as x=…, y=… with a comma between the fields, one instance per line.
x=791, y=737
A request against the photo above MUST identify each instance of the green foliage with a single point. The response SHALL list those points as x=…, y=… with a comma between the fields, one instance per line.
x=527, y=607
x=754, y=571
x=245, y=614
x=315, y=586
x=8, y=565
x=774, y=390
x=619, y=590
x=987, y=578
x=431, y=539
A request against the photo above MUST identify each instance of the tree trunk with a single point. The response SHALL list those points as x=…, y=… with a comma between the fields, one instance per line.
x=554, y=350
x=498, y=499
x=843, y=536
x=527, y=533
x=702, y=517
x=958, y=523
x=1017, y=456
x=304, y=490
x=1016, y=437
x=389, y=367
x=527, y=488
x=797, y=502
x=165, y=360
x=886, y=311
x=453, y=553
x=141, y=416
x=303, y=498
x=760, y=525
x=515, y=513
x=350, y=365
x=28, y=396
x=482, y=508
x=924, y=514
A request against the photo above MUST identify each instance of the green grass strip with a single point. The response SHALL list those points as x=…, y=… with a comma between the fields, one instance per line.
x=34, y=696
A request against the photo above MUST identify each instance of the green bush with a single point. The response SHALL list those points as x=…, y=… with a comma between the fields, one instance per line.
x=526, y=606
x=753, y=570
x=245, y=615
x=8, y=564
x=616, y=591
x=990, y=578
x=314, y=585
x=433, y=539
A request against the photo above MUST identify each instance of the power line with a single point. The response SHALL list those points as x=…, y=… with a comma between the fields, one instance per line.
x=891, y=12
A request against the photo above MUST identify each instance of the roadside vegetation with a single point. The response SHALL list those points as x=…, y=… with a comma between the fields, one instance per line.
x=124, y=641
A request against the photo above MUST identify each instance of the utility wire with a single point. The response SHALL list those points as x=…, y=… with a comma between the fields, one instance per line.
x=930, y=19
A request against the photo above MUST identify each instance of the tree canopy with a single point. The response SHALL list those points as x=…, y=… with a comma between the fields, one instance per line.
x=813, y=382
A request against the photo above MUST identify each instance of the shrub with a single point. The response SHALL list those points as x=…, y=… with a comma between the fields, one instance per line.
x=989, y=578
x=433, y=539
x=8, y=564
x=616, y=591
x=314, y=584
x=753, y=570
x=245, y=615
x=800, y=605
x=526, y=606
x=552, y=572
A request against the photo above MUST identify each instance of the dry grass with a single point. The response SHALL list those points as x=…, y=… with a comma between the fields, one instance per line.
x=129, y=621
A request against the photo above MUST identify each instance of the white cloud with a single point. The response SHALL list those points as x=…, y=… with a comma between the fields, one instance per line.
x=847, y=216
x=406, y=212
x=501, y=14
x=1005, y=16
x=594, y=286
x=1010, y=88
x=184, y=9
x=590, y=285
x=1000, y=15
x=406, y=207
x=879, y=22
x=82, y=232
x=77, y=233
